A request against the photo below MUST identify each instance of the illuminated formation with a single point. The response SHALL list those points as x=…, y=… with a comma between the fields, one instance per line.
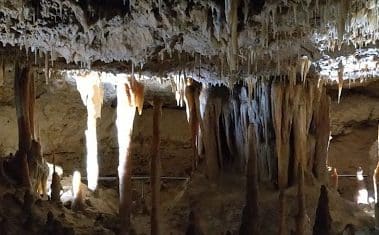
x=91, y=92
x=128, y=92
x=362, y=197
x=77, y=192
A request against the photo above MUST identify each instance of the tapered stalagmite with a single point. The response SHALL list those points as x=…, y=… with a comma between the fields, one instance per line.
x=250, y=214
x=155, y=169
x=323, y=220
x=56, y=186
x=126, y=108
x=334, y=179
x=191, y=98
x=77, y=191
x=283, y=226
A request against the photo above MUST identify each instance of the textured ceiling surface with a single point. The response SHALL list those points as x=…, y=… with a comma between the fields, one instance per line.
x=225, y=38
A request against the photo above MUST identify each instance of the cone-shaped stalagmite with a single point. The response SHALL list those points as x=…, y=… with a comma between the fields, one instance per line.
x=155, y=169
x=334, y=179
x=323, y=220
x=250, y=214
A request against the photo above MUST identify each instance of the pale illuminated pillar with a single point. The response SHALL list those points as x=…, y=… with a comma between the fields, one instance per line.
x=126, y=110
x=91, y=92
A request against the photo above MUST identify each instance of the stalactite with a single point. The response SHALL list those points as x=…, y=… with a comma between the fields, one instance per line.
x=233, y=41
x=340, y=79
x=91, y=92
x=47, y=71
x=192, y=94
x=139, y=95
x=305, y=64
x=250, y=215
x=155, y=169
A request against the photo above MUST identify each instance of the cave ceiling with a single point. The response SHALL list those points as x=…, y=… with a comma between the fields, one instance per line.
x=212, y=40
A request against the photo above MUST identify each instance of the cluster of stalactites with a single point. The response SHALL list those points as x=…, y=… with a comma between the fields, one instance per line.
x=178, y=85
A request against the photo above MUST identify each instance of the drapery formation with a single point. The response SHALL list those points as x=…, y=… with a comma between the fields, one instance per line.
x=291, y=126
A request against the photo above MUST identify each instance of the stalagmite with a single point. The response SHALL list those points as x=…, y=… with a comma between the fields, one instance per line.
x=362, y=196
x=77, y=192
x=340, y=79
x=334, y=179
x=155, y=169
x=250, y=215
x=18, y=166
x=323, y=220
x=192, y=94
x=126, y=108
x=91, y=92
x=56, y=186
x=283, y=225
